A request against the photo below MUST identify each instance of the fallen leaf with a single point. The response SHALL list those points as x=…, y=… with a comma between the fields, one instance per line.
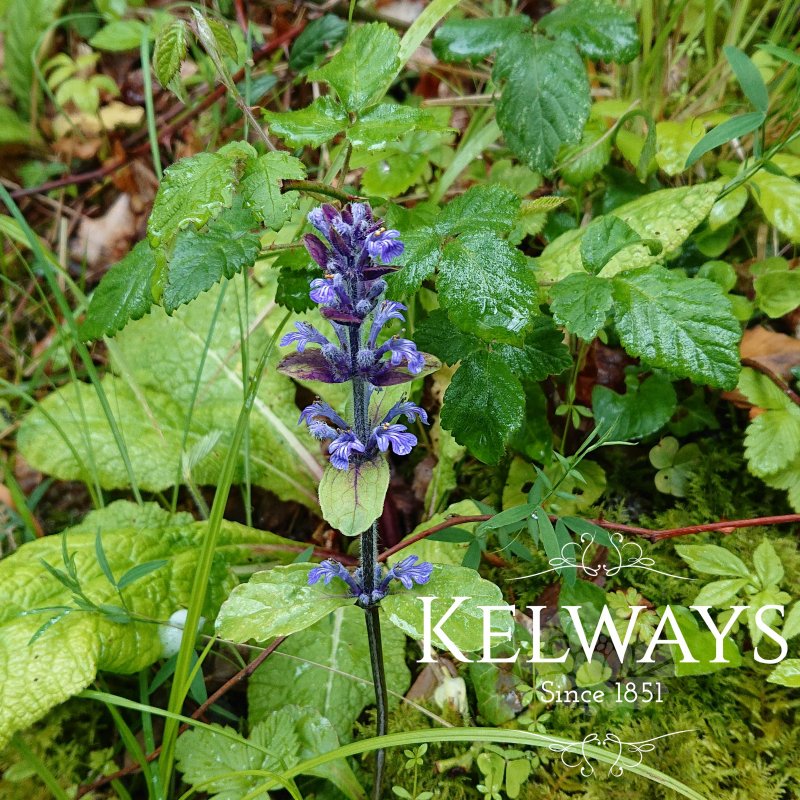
x=104, y=240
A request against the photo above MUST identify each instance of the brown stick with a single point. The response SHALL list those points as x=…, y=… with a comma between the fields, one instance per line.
x=726, y=526
x=224, y=689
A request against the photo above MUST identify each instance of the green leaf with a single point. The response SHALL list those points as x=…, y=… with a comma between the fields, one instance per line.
x=14, y=131
x=319, y=36
x=719, y=594
x=361, y=70
x=65, y=658
x=24, y=38
x=462, y=39
x=388, y=122
x=486, y=286
x=199, y=259
x=579, y=163
x=313, y=125
x=711, y=559
x=196, y=189
x=581, y=303
x=352, y=499
x=639, y=412
x=261, y=187
x=703, y=646
x=216, y=763
x=124, y=294
x=727, y=208
x=170, y=51
x=768, y=566
x=495, y=692
x=787, y=673
x=733, y=128
x=604, y=238
x=326, y=667
x=675, y=141
x=437, y=335
x=483, y=405
x=779, y=199
x=681, y=324
x=602, y=31
x=778, y=292
x=481, y=210
x=772, y=440
x=277, y=602
x=465, y=626
x=223, y=39
x=668, y=215
x=151, y=386
x=541, y=353
x=121, y=35
x=749, y=78
x=545, y=101
x=791, y=625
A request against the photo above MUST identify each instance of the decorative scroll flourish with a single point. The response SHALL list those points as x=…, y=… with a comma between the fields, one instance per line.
x=633, y=751
x=627, y=555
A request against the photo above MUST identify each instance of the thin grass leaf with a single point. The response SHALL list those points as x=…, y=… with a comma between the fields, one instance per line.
x=139, y=571
x=749, y=78
x=102, y=560
x=726, y=131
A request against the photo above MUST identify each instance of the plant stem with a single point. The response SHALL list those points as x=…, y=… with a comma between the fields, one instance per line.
x=381, y=695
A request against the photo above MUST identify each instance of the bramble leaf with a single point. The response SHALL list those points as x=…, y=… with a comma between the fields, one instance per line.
x=313, y=125
x=360, y=71
x=196, y=189
x=540, y=354
x=200, y=259
x=486, y=286
x=483, y=405
x=682, y=324
x=319, y=36
x=261, y=187
x=581, y=303
x=124, y=294
x=437, y=335
x=605, y=237
x=170, y=50
x=545, y=101
x=601, y=30
x=462, y=39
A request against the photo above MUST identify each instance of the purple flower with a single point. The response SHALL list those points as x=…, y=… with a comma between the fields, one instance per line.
x=330, y=569
x=321, y=409
x=304, y=335
x=387, y=310
x=323, y=291
x=352, y=249
x=343, y=447
x=403, y=350
x=408, y=572
x=384, y=244
x=397, y=436
x=407, y=408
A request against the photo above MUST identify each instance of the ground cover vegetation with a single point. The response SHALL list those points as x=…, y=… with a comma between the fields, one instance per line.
x=526, y=275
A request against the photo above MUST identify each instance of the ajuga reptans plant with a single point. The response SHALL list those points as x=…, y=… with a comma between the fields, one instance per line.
x=354, y=251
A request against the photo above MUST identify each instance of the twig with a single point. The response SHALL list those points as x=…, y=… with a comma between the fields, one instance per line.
x=224, y=689
x=774, y=377
x=646, y=533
